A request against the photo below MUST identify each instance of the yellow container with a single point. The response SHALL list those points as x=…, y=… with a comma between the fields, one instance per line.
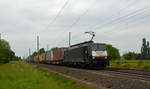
x=42, y=57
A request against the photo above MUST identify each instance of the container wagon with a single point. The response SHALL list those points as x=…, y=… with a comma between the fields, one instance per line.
x=42, y=58
x=48, y=56
x=58, y=55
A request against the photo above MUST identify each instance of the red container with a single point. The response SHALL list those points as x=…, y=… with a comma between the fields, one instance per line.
x=58, y=54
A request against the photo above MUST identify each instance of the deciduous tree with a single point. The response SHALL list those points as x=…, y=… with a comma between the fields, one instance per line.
x=113, y=52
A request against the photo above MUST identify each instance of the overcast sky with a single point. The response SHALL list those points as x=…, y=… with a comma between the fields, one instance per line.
x=122, y=23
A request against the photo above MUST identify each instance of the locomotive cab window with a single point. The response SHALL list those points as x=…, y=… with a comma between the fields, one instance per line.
x=97, y=47
x=99, y=50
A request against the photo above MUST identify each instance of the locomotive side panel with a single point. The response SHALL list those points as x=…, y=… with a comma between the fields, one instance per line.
x=74, y=55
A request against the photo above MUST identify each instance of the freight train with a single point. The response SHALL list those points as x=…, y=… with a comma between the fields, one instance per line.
x=86, y=54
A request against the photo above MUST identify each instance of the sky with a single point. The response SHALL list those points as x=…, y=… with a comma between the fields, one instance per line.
x=122, y=23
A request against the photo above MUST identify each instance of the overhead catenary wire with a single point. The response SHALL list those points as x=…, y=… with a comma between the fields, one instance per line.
x=114, y=20
x=133, y=21
x=133, y=24
x=129, y=18
x=130, y=4
x=112, y=16
x=79, y=18
x=58, y=14
x=125, y=16
x=120, y=10
x=125, y=27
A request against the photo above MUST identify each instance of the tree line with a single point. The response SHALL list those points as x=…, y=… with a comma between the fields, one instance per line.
x=145, y=52
x=6, y=54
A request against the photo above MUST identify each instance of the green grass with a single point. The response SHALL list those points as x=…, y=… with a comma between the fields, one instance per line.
x=19, y=75
x=131, y=64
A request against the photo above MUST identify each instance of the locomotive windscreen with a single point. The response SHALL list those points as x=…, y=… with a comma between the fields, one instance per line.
x=99, y=50
x=96, y=47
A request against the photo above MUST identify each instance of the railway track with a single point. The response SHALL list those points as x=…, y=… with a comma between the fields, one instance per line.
x=122, y=73
x=110, y=78
x=133, y=74
x=134, y=71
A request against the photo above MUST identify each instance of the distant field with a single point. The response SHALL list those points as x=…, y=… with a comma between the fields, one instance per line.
x=131, y=64
x=19, y=75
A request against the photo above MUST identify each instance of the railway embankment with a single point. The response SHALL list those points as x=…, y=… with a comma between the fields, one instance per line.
x=103, y=79
x=20, y=75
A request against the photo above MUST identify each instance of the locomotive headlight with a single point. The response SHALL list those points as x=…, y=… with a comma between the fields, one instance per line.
x=93, y=57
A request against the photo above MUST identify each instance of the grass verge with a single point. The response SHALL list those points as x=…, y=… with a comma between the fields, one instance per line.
x=19, y=75
x=131, y=64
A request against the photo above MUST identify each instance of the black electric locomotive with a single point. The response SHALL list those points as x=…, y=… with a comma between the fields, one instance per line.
x=87, y=54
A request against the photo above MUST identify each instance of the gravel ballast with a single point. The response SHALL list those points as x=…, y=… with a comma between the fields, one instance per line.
x=100, y=79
